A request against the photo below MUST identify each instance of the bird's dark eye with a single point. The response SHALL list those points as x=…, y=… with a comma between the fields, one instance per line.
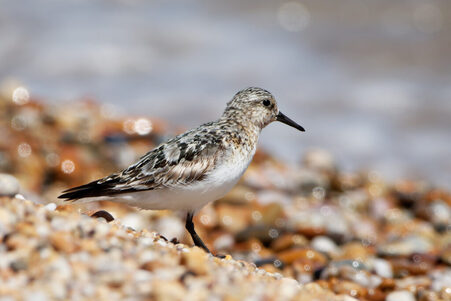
x=266, y=102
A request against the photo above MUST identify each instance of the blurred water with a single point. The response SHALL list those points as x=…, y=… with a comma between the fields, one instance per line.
x=370, y=80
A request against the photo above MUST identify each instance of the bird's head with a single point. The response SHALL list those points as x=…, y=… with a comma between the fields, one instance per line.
x=257, y=106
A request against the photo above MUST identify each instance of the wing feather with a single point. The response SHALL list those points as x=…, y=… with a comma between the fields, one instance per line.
x=185, y=159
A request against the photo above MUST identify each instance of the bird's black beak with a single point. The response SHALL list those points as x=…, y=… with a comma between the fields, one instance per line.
x=282, y=118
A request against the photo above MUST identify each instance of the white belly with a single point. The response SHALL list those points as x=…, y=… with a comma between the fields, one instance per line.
x=190, y=197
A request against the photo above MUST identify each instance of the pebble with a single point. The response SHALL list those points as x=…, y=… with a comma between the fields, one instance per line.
x=382, y=267
x=195, y=261
x=350, y=288
x=310, y=255
x=289, y=240
x=406, y=246
x=400, y=296
x=324, y=244
x=62, y=241
x=9, y=185
x=88, y=258
x=171, y=226
x=320, y=159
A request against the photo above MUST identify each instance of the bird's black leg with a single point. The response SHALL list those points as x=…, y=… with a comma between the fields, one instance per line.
x=190, y=227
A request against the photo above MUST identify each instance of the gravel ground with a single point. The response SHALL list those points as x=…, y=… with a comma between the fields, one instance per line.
x=47, y=254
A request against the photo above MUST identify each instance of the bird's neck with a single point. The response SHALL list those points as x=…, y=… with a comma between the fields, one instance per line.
x=240, y=120
x=242, y=132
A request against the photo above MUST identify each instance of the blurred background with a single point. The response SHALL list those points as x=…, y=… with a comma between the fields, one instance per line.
x=369, y=80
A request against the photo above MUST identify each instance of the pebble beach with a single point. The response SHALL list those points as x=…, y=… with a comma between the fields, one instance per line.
x=288, y=232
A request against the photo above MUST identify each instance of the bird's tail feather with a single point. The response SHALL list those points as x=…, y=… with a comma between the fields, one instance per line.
x=93, y=189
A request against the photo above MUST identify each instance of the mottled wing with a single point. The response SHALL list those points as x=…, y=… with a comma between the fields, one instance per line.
x=180, y=161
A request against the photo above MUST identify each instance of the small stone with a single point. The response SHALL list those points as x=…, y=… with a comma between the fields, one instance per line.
x=407, y=246
x=383, y=268
x=387, y=284
x=259, y=231
x=320, y=159
x=135, y=221
x=170, y=226
x=375, y=294
x=18, y=265
x=62, y=241
x=233, y=218
x=445, y=293
x=313, y=291
x=446, y=256
x=350, y=288
x=50, y=206
x=324, y=244
x=307, y=180
x=196, y=261
x=289, y=240
x=400, y=296
x=293, y=255
x=224, y=242
x=355, y=251
x=168, y=290
x=403, y=267
x=9, y=185
x=271, y=212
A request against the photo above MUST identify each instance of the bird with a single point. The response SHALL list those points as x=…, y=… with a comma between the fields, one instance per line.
x=194, y=168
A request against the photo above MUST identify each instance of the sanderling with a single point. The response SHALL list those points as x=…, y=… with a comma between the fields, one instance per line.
x=194, y=168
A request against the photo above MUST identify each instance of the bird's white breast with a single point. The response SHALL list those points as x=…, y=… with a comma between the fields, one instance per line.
x=193, y=196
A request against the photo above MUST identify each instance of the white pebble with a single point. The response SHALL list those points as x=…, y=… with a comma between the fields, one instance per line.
x=383, y=268
x=324, y=244
x=400, y=296
x=20, y=197
x=9, y=185
x=135, y=221
x=36, y=296
x=224, y=241
x=50, y=206
x=170, y=226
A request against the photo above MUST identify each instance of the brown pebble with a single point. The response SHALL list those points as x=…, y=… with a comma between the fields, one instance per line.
x=403, y=267
x=17, y=242
x=355, y=251
x=271, y=268
x=423, y=295
x=293, y=255
x=287, y=241
x=271, y=213
x=233, y=218
x=323, y=283
x=27, y=229
x=387, y=284
x=168, y=290
x=445, y=293
x=375, y=294
x=311, y=232
x=62, y=241
x=196, y=261
x=90, y=245
x=350, y=288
